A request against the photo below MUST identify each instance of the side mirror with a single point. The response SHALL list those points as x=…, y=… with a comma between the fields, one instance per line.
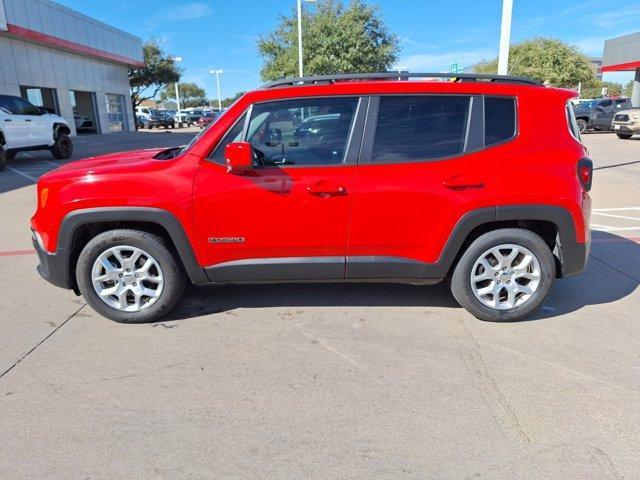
x=239, y=157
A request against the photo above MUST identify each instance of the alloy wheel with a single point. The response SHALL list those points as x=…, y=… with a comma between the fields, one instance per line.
x=127, y=278
x=505, y=276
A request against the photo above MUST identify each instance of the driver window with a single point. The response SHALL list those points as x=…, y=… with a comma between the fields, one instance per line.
x=304, y=131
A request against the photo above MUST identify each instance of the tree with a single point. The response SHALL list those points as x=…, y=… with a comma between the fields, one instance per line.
x=191, y=95
x=628, y=89
x=336, y=39
x=159, y=70
x=594, y=89
x=226, y=102
x=547, y=60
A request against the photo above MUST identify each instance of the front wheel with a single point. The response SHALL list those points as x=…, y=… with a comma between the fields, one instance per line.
x=624, y=136
x=583, y=126
x=63, y=148
x=129, y=276
x=504, y=275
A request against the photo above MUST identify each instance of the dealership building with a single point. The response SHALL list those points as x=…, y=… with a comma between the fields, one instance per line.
x=72, y=64
x=622, y=54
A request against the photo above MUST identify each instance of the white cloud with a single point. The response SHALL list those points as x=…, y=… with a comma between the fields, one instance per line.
x=188, y=11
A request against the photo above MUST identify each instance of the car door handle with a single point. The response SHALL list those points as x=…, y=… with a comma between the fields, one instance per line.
x=7, y=119
x=27, y=119
x=460, y=182
x=324, y=188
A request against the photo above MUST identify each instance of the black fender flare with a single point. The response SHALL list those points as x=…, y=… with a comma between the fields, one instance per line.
x=165, y=219
x=60, y=128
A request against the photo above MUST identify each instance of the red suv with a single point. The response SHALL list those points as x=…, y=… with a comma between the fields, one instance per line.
x=375, y=178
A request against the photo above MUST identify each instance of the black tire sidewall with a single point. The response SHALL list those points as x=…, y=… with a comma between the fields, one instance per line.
x=3, y=157
x=624, y=136
x=461, y=284
x=56, y=150
x=582, y=122
x=174, y=280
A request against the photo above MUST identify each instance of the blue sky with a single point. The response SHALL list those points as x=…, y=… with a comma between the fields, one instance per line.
x=433, y=33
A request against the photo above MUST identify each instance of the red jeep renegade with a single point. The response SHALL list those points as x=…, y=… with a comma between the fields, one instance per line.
x=375, y=178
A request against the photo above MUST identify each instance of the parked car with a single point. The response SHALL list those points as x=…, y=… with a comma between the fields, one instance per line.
x=207, y=119
x=416, y=182
x=160, y=119
x=26, y=127
x=144, y=111
x=186, y=118
x=83, y=124
x=142, y=121
x=598, y=114
x=627, y=123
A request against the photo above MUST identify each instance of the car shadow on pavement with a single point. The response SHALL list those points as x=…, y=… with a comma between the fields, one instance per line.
x=613, y=272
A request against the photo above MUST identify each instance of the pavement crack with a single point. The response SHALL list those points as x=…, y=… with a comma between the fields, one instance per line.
x=41, y=342
x=631, y=277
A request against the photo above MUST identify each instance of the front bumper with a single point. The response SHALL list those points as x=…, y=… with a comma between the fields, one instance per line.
x=625, y=127
x=53, y=267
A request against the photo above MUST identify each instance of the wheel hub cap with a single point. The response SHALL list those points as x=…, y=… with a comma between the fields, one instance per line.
x=127, y=278
x=505, y=276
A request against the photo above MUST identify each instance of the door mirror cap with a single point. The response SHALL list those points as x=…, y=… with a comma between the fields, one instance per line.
x=239, y=157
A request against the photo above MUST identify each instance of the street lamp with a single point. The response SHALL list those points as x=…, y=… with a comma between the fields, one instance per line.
x=177, y=59
x=300, y=69
x=217, y=73
x=505, y=37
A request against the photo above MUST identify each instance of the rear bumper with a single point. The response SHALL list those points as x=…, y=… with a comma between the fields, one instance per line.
x=52, y=266
x=573, y=257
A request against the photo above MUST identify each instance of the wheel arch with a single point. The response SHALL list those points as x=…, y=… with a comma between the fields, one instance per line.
x=80, y=226
x=60, y=129
x=553, y=224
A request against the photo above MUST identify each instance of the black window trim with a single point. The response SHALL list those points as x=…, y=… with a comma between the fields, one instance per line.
x=516, y=130
x=470, y=145
x=354, y=139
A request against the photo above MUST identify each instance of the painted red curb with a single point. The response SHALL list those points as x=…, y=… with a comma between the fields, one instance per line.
x=13, y=253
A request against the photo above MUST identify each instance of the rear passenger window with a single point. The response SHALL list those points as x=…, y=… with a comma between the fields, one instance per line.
x=499, y=119
x=414, y=128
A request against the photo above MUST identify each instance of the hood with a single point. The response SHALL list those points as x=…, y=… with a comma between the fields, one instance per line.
x=113, y=163
x=630, y=111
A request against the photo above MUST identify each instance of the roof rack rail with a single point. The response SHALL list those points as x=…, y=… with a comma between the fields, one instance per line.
x=344, y=77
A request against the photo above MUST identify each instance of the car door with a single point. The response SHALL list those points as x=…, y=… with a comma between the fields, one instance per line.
x=13, y=125
x=37, y=130
x=287, y=218
x=421, y=169
x=604, y=112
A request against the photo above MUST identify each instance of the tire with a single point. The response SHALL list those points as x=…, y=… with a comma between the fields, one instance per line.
x=624, y=136
x=171, y=283
x=63, y=148
x=3, y=157
x=525, y=304
x=583, y=126
x=11, y=154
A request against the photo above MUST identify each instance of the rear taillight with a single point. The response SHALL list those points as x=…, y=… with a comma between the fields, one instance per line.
x=585, y=173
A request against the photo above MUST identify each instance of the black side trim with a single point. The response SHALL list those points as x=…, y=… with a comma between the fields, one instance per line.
x=59, y=263
x=277, y=269
x=573, y=255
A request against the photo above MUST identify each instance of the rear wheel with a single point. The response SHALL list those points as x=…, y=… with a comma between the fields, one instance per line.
x=11, y=154
x=63, y=148
x=624, y=136
x=583, y=126
x=129, y=276
x=504, y=275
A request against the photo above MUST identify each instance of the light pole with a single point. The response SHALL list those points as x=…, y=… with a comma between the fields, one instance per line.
x=300, y=68
x=505, y=37
x=177, y=59
x=217, y=73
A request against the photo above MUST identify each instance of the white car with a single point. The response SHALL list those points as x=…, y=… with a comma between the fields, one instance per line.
x=26, y=127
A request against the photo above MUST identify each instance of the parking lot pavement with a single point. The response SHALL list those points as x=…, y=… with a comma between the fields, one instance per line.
x=327, y=381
